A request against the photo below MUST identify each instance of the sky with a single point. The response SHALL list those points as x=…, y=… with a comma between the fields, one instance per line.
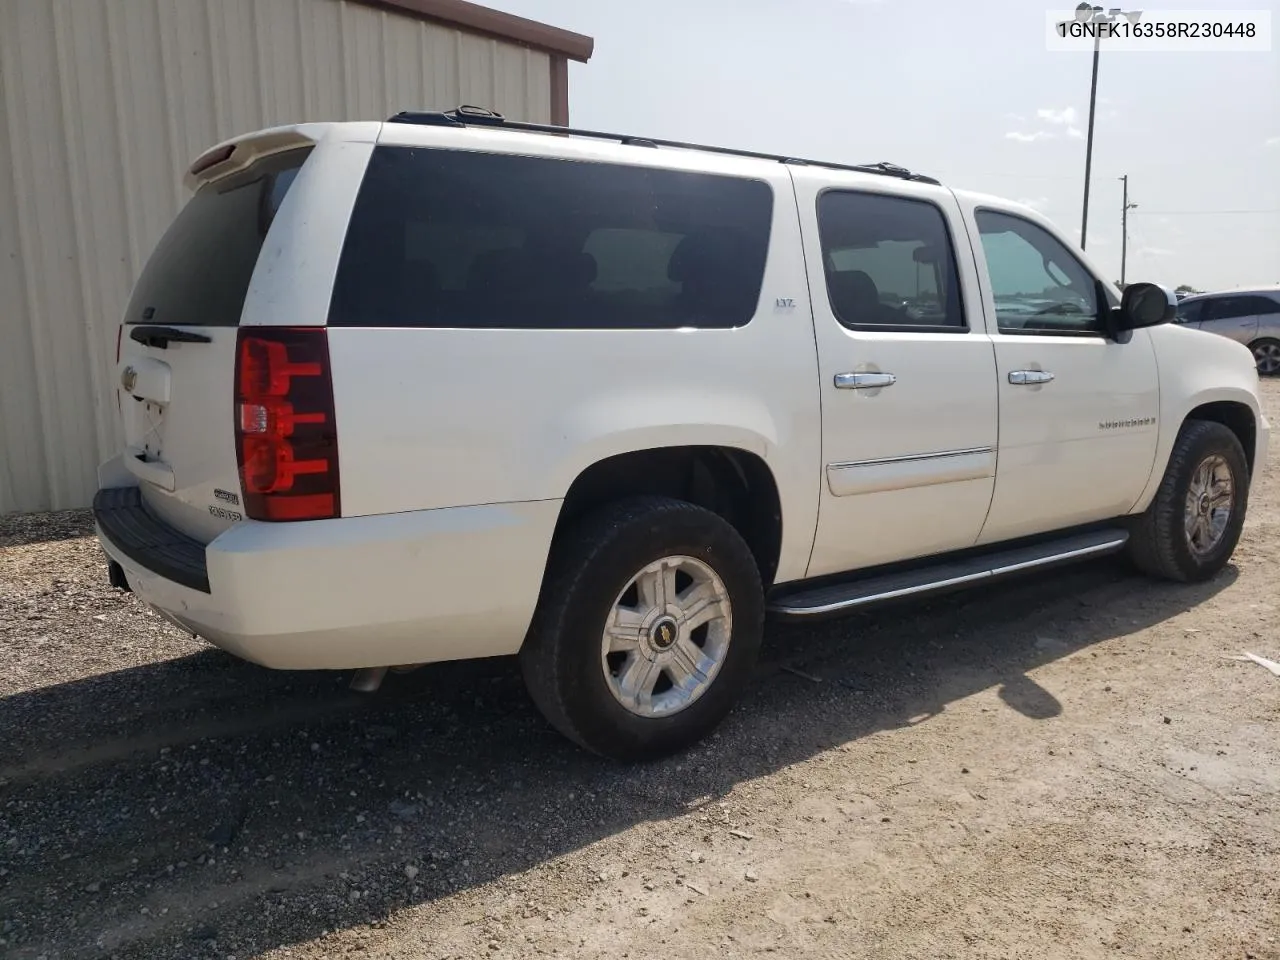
x=968, y=93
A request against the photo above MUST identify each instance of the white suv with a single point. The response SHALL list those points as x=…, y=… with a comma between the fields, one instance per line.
x=448, y=387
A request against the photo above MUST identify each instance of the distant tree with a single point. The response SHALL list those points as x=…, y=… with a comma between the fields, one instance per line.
x=1186, y=288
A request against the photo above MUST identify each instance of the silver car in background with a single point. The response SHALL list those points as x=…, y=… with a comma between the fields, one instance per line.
x=1250, y=316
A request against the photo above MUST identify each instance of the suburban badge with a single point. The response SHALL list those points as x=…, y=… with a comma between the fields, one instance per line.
x=1123, y=424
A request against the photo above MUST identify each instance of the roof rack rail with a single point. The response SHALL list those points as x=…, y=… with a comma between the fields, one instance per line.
x=479, y=116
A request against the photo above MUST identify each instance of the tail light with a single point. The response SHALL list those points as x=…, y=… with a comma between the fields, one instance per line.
x=286, y=435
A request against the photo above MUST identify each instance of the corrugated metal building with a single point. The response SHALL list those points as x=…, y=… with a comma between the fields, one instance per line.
x=103, y=103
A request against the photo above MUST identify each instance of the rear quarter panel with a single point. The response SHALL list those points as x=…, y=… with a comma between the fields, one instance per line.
x=294, y=275
x=431, y=418
x=1269, y=326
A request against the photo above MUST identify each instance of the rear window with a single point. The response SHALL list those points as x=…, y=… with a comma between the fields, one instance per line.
x=199, y=273
x=443, y=238
x=889, y=262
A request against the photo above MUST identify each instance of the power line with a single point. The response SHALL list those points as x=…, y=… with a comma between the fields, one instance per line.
x=962, y=177
x=1140, y=244
x=1201, y=213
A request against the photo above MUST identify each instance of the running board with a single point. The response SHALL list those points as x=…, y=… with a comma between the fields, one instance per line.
x=835, y=599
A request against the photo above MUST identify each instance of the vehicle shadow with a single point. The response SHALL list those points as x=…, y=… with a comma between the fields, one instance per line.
x=202, y=806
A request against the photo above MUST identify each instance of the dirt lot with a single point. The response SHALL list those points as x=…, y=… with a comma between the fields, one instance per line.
x=1066, y=766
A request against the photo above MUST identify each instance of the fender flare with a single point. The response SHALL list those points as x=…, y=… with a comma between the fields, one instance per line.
x=1170, y=427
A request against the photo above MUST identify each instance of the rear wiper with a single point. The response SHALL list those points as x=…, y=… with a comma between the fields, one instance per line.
x=161, y=337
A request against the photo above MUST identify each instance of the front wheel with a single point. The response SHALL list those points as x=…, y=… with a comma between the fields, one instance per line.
x=647, y=630
x=1193, y=525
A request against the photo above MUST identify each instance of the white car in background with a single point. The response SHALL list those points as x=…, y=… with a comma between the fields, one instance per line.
x=1251, y=317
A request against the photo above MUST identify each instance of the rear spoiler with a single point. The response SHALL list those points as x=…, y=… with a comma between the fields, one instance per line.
x=234, y=155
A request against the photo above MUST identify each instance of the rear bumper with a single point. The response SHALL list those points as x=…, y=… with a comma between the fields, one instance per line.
x=418, y=587
x=126, y=525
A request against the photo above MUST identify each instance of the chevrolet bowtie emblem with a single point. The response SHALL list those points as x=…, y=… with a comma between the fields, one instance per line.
x=129, y=379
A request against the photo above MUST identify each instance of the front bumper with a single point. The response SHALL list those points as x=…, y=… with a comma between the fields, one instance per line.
x=430, y=585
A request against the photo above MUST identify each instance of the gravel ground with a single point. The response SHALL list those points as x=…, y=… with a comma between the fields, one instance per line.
x=1063, y=766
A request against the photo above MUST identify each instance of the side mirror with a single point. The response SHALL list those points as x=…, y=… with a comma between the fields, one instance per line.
x=1146, y=305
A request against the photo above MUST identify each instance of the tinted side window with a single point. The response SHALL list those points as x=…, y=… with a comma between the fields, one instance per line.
x=1038, y=284
x=1191, y=312
x=889, y=262
x=200, y=270
x=1225, y=308
x=445, y=238
x=1262, y=306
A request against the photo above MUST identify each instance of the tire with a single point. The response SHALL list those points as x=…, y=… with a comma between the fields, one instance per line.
x=1161, y=540
x=1266, y=353
x=592, y=578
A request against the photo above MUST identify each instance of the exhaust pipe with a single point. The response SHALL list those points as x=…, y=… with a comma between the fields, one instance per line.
x=368, y=680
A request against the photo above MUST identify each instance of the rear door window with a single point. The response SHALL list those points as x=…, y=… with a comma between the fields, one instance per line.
x=889, y=263
x=1261, y=306
x=199, y=273
x=445, y=238
x=1226, y=308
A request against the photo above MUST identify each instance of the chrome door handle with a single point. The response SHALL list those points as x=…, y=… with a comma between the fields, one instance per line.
x=864, y=381
x=1023, y=378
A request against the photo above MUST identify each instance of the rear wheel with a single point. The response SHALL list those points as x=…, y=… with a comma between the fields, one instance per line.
x=1193, y=525
x=1267, y=355
x=647, y=630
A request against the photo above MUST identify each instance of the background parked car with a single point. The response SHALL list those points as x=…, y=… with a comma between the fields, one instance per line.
x=1249, y=316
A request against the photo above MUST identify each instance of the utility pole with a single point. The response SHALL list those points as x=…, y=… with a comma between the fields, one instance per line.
x=1124, y=227
x=1088, y=150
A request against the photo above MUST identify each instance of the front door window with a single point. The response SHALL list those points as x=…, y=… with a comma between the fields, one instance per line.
x=1038, y=285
